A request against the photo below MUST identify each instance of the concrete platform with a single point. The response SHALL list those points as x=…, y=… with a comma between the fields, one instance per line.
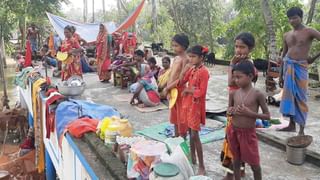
x=273, y=159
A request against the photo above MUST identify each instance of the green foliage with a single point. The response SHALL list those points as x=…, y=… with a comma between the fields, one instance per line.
x=250, y=19
x=15, y=13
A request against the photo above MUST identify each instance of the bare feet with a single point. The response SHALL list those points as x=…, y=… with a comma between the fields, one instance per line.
x=301, y=131
x=288, y=129
x=201, y=171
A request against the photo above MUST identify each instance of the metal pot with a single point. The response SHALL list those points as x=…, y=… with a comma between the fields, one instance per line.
x=296, y=155
x=71, y=90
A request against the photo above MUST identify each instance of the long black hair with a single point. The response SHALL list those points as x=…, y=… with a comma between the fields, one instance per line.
x=201, y=51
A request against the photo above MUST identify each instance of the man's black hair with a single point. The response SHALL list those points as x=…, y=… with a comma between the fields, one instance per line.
x=295, y=11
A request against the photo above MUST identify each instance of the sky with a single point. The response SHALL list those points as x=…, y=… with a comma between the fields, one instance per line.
x=79, y=4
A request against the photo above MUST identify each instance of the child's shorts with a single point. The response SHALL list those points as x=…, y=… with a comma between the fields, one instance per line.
x=244, y=144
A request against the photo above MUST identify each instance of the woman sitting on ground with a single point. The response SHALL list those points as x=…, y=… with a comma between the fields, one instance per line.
x=146, y=91
x=164, y=76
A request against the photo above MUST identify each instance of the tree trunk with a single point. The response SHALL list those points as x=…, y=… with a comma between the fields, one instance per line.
x=270, y=29
x=22, y=28
x=92, y=11
x=3, y=54
x=311, y=11
x=210, y=24
x=154, y=16
x=103, y=9
x=85, y=11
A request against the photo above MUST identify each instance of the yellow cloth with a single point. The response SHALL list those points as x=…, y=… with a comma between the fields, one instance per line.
x=37, y=124
x=226, y=148
x=163, y=78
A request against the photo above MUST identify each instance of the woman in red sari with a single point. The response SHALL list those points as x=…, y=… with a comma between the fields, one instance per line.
x=103, y=55
x=71, y=46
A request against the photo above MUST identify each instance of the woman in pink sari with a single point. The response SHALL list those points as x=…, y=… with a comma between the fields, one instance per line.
x=71, y=46
x=103, y=55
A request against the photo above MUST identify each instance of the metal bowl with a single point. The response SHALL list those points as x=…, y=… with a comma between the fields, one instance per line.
x=71, y=90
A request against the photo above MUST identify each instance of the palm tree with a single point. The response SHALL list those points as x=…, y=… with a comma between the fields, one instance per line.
x=270, y=29
x=154, y=15
x=103, y=9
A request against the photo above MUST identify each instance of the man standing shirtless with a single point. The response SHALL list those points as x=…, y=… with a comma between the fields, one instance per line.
x=294, y=74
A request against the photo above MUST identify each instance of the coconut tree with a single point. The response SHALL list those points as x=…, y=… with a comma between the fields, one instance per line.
x=265, y=7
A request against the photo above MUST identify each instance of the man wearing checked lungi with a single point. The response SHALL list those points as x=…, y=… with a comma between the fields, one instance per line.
x=294, y=71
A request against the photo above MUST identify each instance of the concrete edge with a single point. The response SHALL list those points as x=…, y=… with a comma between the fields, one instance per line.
x=311, y=156
x=106, y=155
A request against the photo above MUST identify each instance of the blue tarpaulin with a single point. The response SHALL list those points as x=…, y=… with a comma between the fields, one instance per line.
x=69, y=111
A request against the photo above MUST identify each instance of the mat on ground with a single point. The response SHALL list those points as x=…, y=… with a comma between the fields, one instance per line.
x=157, y=132
x=160, y=107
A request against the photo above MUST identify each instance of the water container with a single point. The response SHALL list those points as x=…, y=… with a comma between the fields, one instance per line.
x=295, y=155
x=111, y=133
x=166, y=171
x=104, y=125
x=125, y=128
x=296, y=148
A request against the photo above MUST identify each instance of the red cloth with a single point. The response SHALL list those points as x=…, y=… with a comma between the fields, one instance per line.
x=50, y=116
x=194, y=105
x=153, y=96
x=28, y=57
x=81, y=126
x=27, y=144
x=244, y=144
x=176, y=116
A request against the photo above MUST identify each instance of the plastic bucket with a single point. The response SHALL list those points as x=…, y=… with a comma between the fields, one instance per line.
x=296, y=155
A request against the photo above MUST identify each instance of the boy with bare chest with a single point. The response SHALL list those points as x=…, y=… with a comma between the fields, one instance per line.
x=244, y=105
x=294, y=71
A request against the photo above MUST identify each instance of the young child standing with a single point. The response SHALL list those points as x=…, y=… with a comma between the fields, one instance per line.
x=180, y=43
x=243, y=45
x=194, y=99
x=244, y=105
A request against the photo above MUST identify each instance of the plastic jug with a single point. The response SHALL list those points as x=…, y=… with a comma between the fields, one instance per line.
x=111, y=133
x=104, y=125
x=125, y=128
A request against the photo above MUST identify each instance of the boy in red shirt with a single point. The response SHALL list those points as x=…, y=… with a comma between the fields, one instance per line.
x=194, y=99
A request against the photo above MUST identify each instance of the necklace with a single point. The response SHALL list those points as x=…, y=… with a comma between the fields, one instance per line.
x=241, y=96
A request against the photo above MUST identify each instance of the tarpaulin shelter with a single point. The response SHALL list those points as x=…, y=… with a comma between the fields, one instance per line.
x=89, y=31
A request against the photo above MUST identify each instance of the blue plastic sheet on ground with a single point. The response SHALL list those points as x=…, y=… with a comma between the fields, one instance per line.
x=69, y=111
